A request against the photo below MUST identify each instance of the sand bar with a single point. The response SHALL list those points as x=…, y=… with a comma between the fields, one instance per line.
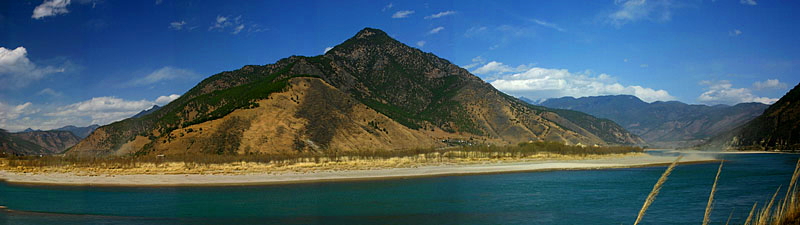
x=350, y=175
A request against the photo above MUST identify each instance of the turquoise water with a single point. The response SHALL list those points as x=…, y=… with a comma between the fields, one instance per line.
x=610, y=196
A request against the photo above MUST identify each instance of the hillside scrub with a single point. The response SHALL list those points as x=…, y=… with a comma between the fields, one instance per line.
x=366, y=159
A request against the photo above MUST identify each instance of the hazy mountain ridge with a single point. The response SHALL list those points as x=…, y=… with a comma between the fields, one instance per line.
x=52, y=141
x=12, y=145
x=663, y=124
x=778, y=128
x=377, y=93
x=80, y=132
x=39, y=142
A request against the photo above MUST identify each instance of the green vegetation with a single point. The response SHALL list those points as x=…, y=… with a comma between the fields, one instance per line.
x=400, y=89
x=778, y=128
x=196, y=107
x=414, y=88
x=219, y=103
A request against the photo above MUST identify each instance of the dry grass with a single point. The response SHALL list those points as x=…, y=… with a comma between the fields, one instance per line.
x=750, y=217
x=307, y=161
x=786, y=211
x=709, y=206
x=652, y=196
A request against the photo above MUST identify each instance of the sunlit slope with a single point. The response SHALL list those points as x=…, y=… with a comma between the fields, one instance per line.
x=369, y=92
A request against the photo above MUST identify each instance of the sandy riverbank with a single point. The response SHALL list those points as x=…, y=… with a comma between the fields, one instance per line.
x=637, y=160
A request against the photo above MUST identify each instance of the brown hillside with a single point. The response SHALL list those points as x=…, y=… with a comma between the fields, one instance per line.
x=370, y=92
x=52, y=141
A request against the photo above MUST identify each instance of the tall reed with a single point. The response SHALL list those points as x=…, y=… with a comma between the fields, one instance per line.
x=710, y=204
x=750, y=217
x=787, y=211
x=652, y=196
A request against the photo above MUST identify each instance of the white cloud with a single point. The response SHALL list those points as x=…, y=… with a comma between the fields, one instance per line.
x=475, y=62
x=501, y=35
x=507, y=31
x=98, y=110
x=254, y=28
x=235, y=25
x=327, y=49
x=50, y=92
x=50, y=8
x=543, y=83
x=435, y=30
x=635, y=10
x=748, y=2
x=238, y=29
x=722, y=92
x=735, y=32
x=497, y=68
x=221, y=23
x=387, y=7
x=770, y=84
x=13, y=112
x=644, y=65
x=475, y=31
x=177, y=25
x=165, y=73
x=441, y=14
x=164, y=100
x=402, y=14
x=550, y=25
x=421, y=44
x=102, y=110
x=17, y=71
x=158, y=2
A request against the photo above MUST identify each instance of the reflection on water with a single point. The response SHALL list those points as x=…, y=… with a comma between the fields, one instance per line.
x=610, y=196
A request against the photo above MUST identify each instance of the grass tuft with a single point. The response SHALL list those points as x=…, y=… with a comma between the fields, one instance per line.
x=652, y=196
x=709, y=206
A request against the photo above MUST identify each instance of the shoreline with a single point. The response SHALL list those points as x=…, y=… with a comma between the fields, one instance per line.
x=720, y=152
x=211, y=180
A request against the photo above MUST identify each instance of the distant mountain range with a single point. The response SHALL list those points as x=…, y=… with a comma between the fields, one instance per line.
x=12, y=145
x=663, y=124
x=370, y=92
x=39, y=142
x=778, y=128
x=52, y=141
x=80, y=132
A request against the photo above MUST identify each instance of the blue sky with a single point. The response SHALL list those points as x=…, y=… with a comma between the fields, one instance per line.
x=83, y=62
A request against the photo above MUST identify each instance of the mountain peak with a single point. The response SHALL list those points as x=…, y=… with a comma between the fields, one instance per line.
x=366, y=37
x=370, y=33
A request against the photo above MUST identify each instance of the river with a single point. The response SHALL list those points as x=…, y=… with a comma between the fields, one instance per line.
x=608, y=196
